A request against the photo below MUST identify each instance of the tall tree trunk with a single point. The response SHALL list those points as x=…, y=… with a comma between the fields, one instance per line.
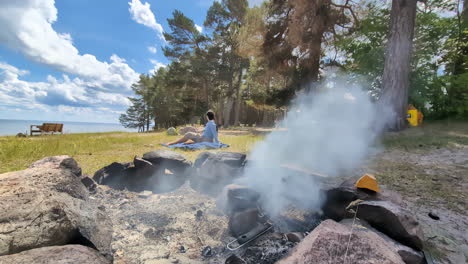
x=309, y=81
x=206, y=90
x=220, y=114
x=307, y=25
x=397, y=62
x=228, y=103
x=147, y=118
x=227, y=111
x=238, y=99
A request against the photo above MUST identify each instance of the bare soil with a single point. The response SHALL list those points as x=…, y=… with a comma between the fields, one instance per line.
x=432, y=180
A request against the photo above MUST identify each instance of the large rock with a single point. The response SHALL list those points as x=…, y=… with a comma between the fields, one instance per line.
x=57, y=255
x=232, y=159
x=336, y=199
x=187, y=129
x=236, y=198
x=64, y=161
x=157, y=171
x=392, y=220
x=170, y=160
x=171, y=131
x=168, y=170
x=47, y=205
x=216, y=169
x=332, y=242
x=133, y=176
x=112, y=173
x=407, y=254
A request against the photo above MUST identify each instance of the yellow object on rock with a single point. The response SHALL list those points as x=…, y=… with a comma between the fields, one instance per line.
x=368, y=181
x=413, y=116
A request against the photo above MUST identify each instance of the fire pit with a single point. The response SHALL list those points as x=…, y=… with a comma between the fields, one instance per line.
x=117, y=219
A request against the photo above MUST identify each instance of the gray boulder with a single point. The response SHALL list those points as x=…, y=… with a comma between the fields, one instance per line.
x=216, y=169
x=111, y=173
x=171, y=132
x=157, y=171
x=64, y=162
x=332, y=242
x=47, y=205
x=336, y=199
x=57, y=255
x=170, y=160
x=393, y=221
x=143, y=164
x=187, y=129
x=232, y=159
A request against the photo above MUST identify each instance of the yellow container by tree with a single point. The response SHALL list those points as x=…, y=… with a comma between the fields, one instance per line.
x=413, y=116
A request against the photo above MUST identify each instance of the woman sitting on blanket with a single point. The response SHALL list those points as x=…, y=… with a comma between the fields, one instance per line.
x=210, y=133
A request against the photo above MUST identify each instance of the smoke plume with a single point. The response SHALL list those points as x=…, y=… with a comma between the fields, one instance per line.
x=331, y=131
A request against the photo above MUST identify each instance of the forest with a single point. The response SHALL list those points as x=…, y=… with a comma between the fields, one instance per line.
x=249, y=62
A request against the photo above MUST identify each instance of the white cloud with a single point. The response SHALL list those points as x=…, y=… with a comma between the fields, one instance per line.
x=12, y=69
x=48, y=95
x=199, y=28
x=27, y=28
x=152, y=49
x=142, y=14
x=157, y=66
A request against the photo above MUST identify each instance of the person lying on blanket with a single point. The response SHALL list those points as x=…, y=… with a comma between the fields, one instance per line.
x=210, y=133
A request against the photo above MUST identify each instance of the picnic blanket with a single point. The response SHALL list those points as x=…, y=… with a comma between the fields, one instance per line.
x=201, y=145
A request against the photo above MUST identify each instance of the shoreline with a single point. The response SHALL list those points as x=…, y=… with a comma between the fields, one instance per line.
x=71, y=133
x=11, y=127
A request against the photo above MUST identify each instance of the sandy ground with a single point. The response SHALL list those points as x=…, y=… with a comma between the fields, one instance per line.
x=436, y=181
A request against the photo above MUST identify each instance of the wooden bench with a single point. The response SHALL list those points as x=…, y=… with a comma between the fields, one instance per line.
x=47, y=128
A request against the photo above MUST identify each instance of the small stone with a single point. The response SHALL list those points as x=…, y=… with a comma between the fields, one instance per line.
x=433, y=216
x=182, y=249
x=199, y=214
x=21, y=135
x=295, y=237
x=233, y=259
x=207, y=252
x=89, y=184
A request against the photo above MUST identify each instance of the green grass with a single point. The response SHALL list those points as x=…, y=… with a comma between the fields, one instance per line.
x=96, y=150
x=429, y=135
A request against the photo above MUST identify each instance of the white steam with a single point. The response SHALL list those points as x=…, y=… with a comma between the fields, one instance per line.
x=330, y=132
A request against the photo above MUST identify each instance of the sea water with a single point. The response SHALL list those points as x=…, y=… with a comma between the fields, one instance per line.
x=12, y=127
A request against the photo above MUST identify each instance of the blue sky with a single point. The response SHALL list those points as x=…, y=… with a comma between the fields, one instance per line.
x=70, y=60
